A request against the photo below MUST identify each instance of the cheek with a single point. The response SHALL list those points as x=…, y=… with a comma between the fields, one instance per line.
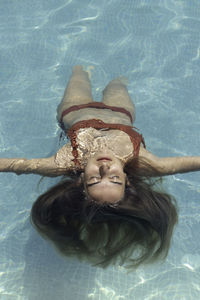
x=90, y=170
x=88, y=167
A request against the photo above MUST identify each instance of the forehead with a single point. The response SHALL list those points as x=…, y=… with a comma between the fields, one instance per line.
x=107, y=192
x=106, y=189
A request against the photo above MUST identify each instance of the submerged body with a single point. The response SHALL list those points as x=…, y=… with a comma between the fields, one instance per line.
x=91, y=140
x=107, y=208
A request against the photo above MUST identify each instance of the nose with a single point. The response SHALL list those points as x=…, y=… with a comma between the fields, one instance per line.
x=103, y=169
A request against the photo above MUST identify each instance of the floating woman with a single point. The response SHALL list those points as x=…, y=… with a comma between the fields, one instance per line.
x=108, y=208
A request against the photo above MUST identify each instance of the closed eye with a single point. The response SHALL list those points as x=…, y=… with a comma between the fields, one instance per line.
x=91, y=184
x=98, y=177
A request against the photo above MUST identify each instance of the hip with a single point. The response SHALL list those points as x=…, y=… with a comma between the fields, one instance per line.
x=105, y=115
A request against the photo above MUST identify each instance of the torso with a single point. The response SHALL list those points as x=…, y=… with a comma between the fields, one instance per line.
x=90, y=141
x=106, y=115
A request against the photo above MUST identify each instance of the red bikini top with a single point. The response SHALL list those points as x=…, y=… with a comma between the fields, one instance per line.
x=135, y=137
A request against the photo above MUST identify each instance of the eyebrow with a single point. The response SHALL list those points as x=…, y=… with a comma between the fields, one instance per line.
x=90, y=184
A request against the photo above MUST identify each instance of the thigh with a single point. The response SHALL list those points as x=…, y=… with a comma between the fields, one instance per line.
x=116, y=94
x=78, y=91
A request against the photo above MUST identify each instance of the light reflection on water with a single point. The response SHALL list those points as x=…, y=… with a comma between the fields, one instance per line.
x=155, y=45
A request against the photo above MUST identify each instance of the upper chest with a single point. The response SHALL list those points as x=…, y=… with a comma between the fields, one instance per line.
x=90, y=141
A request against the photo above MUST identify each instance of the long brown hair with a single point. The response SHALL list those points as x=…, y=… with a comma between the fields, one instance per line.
x=138, y=230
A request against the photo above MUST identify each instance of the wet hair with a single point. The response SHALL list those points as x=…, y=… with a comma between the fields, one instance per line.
x=136, y=231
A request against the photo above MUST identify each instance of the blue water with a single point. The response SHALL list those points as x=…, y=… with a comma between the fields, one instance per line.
x=156, y=44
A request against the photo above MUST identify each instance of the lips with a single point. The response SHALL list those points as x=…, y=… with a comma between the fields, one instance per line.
x=104, y=158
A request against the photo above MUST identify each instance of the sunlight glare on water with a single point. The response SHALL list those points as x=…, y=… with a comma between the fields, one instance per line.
x=156, y=45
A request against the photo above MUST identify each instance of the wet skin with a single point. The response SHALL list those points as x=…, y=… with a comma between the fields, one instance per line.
x=104, y=179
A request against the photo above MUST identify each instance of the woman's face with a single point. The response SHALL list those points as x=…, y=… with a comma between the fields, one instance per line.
x=104, y=178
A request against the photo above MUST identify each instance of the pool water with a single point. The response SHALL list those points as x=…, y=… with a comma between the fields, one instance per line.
x=156, y=45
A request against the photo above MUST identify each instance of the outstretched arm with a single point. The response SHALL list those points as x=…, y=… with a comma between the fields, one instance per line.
x=169, y=165
x=41, y=166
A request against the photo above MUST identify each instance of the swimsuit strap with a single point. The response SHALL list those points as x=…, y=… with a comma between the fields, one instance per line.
x=135, y=137
x=99, y=105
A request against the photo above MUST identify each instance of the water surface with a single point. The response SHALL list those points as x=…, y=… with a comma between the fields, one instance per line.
x=156, y=44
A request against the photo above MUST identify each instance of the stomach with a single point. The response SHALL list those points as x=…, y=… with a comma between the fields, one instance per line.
x=105, y=115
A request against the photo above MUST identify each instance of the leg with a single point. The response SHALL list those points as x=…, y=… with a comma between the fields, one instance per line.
x=78, y=90
x=116, y=94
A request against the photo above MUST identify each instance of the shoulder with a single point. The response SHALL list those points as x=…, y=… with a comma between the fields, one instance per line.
x=64, y=157
x=146, y=154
